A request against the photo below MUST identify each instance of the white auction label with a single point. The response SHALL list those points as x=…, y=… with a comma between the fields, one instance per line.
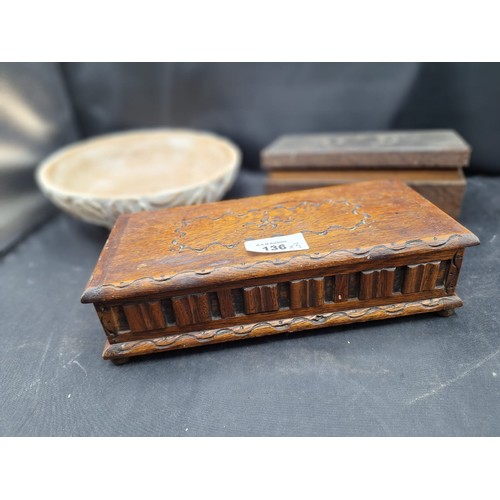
x=288, y=243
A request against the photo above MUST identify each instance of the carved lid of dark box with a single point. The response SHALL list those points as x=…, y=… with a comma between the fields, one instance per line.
x=403, y=149
x=195, y=247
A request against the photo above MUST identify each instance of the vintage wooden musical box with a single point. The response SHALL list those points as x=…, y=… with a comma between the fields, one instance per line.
x=231, y=270
x=430, y=161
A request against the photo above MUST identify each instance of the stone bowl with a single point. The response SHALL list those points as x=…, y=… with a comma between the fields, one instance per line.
x=98, y=179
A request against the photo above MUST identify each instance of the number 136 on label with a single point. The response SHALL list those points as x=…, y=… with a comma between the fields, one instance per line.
x=288, y=243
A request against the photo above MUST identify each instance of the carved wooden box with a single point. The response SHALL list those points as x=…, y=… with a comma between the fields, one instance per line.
x=182, y=277
x=431, y=162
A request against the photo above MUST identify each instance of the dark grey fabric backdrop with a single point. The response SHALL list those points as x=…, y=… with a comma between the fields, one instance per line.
x=254, y=103
x=45, y=105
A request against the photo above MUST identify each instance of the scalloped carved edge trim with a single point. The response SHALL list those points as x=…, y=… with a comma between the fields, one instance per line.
x=357, y=252
x=273, y=327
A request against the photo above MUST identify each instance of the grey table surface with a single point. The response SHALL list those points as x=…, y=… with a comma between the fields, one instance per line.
x=421, y=375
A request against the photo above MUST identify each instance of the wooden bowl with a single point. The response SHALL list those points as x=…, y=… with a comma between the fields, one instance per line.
x=98, y=179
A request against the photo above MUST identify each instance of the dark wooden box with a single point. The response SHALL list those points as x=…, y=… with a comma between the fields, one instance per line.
x=431, y=162
x=181, y=277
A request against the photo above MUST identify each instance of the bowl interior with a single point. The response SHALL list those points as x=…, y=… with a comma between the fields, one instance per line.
x=139, y=164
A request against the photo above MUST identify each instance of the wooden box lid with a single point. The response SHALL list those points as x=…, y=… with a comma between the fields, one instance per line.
x=405, y=149
x=194, y=247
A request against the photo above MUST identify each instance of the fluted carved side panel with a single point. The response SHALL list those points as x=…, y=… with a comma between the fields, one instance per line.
x=260, y=299
x=144, y=316
x=421, y=277
x=191, y=309
x=173, y=313
x=226, y=305
x=307, y=293
x=376, y=284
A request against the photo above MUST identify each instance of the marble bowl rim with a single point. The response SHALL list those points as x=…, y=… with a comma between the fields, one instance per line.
x=47, y=185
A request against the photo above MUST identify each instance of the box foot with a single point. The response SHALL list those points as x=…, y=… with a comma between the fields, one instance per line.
x=446, y=313
x=120, y=361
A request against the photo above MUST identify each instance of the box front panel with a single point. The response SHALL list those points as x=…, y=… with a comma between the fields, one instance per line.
x=293, y=298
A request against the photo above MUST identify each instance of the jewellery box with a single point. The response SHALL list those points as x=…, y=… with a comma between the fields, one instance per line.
x=430, y=161
x=197, y=275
